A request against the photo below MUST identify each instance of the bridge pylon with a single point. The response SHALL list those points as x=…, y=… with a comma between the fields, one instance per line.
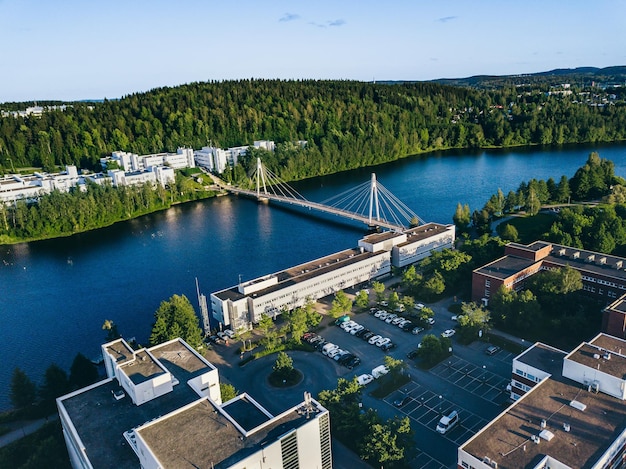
x=374, y=206
x=260, y=182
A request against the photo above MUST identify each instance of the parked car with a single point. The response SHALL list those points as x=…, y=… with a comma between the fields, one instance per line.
x=341, y=353
x=430, y=321
x=397, y=320
x=329, y=347
x=402, y=401
x=354, y=361
x=382, y=341
x=447, y=422
x=342, y=319
x=344, y=358
x=455, y=317
x=384, y=316
x=399, y=308
x=347, y=324
x=229, y=333
x=416, y=330
x=321, y=344
x=356, y=329
x=367, y=336
x=390, y=318
x=418, y=306
x=402, y=323
x=492, y=350
x=379, y=371
x=448, y=333
x=372, y=340
x=378, y=313
x=222, y=335
x=361, y=332
x=364, y=379
x=412, y=354
x=333, y=352
x=384, y=303
x=408, y=326
x=388, y=346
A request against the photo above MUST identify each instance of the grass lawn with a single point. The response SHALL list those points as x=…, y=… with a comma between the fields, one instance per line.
x=530, y=228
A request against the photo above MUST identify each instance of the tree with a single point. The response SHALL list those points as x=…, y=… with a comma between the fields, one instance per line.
x=379, y=289
x=396, y=367
x=533, y=204
x=342, y=304
x=82, y=372
x=298, y=323
x=176, y=318
x=55, y=384
x=509, y=233
x=394, y=300
x=435, y=285
x=265, y=323
x=362, y=299
x=23, y=391
x=111, y=328
x=473, y=319
x=380, y=445
x=462, y=217
x=283, y=365
x=228, y=392
x=563, y=192
x=343, y=404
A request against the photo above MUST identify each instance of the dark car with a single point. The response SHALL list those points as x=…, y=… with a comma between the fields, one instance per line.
x=492, y=350
x=367, y=335
x=412, y=353
x=400, y=402
x=408, y=327
x=354, y=361
x=345, y=358
x=361, y=332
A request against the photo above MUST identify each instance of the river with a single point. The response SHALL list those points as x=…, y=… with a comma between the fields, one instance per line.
x=56, y=294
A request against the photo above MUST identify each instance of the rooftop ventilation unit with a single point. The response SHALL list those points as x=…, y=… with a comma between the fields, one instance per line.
x=561, y=252
x=596, y=356
x=566, y=427
x=535, y=439
x=618, y=265
x=578, y=405
x=602, y=261
x=576, y=255
x=591, y=257
x=546, y=435
x=606, y=356
x=543, y=423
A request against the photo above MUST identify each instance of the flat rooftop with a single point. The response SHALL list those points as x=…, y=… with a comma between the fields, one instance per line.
x=423, y=232
x=505, y=267
x=101, y=421
x=507, y=441
x=303, y=272
x=589, y=261
x=180, y=361
x=543, y=357
x=142, y=368
x=593, y=356
x=381, y=237
x=247, y=415
x=120, y=351
x=618, y=305
x=202, y=436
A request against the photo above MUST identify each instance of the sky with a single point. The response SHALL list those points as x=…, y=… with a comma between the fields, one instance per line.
x=92, y=49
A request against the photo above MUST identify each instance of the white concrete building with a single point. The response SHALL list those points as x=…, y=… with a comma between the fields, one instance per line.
x=574, y=417
x=17, y=187
x=212, y=158
x=162, y=408
x=242, y=305
x=268, y=145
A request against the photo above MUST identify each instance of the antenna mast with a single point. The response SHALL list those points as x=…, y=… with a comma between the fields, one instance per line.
x=204, y=310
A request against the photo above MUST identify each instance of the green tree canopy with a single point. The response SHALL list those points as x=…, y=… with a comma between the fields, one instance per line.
x=176, y=318
x=342, y=304
x=23, y=391
x=82, y=372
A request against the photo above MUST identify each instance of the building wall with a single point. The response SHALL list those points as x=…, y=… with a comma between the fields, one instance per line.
x=410, y=253
x=524, y=377
x=608, y=384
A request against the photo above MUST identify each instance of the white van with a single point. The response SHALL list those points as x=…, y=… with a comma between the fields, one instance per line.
x=447, y=422
x=379, y=371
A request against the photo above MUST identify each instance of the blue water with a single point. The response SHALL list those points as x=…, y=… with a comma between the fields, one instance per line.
x=56, y=294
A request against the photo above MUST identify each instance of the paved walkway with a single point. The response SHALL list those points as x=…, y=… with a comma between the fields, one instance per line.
x=23, y=428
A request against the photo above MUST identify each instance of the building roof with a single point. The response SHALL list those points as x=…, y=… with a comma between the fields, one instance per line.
x=303, y=272
x=422, y=232
x=505, y=267
x=375, y=238
x=543, y=357
x=143, y=368
x=101, y=420
x=594, y=355
x=507, y=440
x=590, y=261
x=202, y=435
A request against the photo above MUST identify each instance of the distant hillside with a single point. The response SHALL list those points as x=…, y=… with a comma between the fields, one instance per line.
x=584, y=76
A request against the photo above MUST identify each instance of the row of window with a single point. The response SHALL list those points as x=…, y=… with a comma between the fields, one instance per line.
x=527, y=375
x=521, y=386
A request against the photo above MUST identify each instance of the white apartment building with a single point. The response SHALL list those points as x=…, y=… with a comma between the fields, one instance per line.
x=216, y=159
x=161, y=407
x=574, y=417
x=131, y=162
x=16, y=187
x=242, y=305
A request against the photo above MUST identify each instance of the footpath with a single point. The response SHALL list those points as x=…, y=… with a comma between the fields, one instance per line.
x=22, y=428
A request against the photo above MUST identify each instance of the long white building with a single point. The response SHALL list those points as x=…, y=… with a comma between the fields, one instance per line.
x=243, y=304
x=162, y=408
x=17, y=187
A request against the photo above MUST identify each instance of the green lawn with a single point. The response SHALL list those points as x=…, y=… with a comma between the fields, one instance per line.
x=530, y=228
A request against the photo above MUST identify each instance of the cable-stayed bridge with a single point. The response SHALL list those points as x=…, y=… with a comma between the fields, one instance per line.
x=369, y=202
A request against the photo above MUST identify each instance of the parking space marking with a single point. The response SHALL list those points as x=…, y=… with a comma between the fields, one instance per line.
x=479, y=381
x=426, y=408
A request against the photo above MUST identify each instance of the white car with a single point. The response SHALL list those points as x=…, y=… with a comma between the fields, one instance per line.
x=384, y=316
x=329, y=347
x=333, y=352
x=364, y=379
x=384, y=303
x=347, y=325
x=430, y=321
x=455, y=317
x=356, y=329
x=229, y=333
x=419, y=306
x=379, y=371
x=378, y=313
x=403, y=323
x=448, y=333
x=383, y=341
x=397, y=320
x=390, y=318
x=373, y=339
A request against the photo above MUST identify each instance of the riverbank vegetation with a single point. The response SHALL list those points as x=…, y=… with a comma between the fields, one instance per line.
x=65, y=213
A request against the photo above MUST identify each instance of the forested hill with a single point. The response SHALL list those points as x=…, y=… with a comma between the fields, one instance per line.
x=347, y=124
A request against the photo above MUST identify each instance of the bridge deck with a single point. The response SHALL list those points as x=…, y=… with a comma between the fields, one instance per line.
x=316, y=206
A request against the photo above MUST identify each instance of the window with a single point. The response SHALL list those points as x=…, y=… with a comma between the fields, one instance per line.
x=487, y=283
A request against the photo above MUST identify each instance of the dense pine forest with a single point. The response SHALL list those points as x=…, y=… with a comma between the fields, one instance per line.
x=347, y=124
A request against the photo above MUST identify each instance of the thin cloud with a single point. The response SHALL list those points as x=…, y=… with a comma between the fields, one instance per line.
x=289, y=17
x=445, y=19
x=329, y=23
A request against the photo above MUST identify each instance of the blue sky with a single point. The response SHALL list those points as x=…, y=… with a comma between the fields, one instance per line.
x=91, y=49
